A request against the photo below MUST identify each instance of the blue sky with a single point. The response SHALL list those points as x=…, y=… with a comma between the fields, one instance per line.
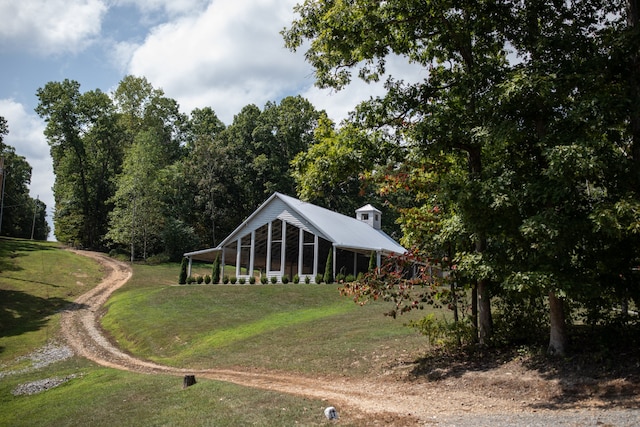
x=203, y=53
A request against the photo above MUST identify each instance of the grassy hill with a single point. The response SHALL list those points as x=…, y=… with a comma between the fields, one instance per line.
x=299, y=328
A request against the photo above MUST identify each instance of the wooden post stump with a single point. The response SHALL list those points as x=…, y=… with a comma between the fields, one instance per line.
x=189, y=380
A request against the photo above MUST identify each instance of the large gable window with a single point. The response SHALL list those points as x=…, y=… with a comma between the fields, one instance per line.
x=276, y=246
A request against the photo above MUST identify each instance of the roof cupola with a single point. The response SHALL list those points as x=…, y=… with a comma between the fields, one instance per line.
x=370, y=215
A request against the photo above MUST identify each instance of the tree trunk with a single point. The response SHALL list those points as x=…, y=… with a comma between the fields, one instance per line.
x=484, y=312
x=474, y=308
x=633, y=21
x=188, y=381
x=558, y=335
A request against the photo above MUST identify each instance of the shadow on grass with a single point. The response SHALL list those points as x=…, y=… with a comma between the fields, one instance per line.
x=21, y=312
x=32, y=281
x=604, y=364
x=13, y=248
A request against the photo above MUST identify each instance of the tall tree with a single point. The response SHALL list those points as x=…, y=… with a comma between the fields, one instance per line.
x=137, y=219
x=86, y=152
x=459, y=45
x=335, y=172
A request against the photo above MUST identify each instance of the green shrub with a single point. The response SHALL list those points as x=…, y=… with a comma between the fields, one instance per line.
x=319, y=278
x=215, y=274
x=182, y=279
x=285, y=279
x=234, y=279
x=350, y=278
x=340, y=278
x=307, y=279
x=447, y=334
x=372, y=262
x=252, y=279
x=225, y=279
x=242, y=280
x=328, y=268
x=199, y=279
x=207, y=279
x=296, y=279
x=191, y=280
x=274, y=279
x=264, y=279
x=157, y=259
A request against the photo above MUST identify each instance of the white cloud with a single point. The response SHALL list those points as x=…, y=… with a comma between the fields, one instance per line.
x=49, y=26
x=227, y=57
x=232, y=55
x=26, y=136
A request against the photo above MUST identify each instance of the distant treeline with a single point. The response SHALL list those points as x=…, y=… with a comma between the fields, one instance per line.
x=20, y=214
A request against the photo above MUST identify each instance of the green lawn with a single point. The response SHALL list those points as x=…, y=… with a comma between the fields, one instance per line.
x=299, y=328
x=37, y=280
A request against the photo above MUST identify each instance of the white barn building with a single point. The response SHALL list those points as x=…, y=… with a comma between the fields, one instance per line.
x=286, y=236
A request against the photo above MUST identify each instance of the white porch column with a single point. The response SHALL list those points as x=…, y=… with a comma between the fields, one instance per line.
x=283, y=254
x=222, y=265
x=189, y=267
x=333, y=261
x=378, y=259
x=268, y=267
x=316, y=243
x=300, y=250
x=251, y=255
x=238, y=250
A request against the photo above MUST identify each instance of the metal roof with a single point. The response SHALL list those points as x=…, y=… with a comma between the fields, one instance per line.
x=341, y=230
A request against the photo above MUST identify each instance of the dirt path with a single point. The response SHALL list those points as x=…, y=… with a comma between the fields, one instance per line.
x=380, y=401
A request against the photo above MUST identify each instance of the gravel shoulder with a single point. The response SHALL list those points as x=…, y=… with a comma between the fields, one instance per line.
x=506, y=394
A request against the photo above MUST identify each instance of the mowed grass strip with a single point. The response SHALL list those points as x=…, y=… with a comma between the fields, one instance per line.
x=295, y=327
x=97, y=396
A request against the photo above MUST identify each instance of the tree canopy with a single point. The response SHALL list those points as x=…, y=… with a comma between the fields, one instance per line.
x=523, y=137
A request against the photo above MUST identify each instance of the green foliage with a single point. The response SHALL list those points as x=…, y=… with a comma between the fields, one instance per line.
x=207, y=279
x=22, y=216
x=522, y=318
x=445, y=333
x=264, y=279
x=252, y=279
x=274, y=279
x=242, y=280
x=329, y=172
x=513, y=169
x=182, y=278
x=199, y=279
x=372, y=262
x=215, y=275
x=328, y=268
x=350, y=278
x=285, y=279
x=296, y=278
x=233, y=280
x=307, y=279
x=225, y=279
x=319, y=278
x=87, y=148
